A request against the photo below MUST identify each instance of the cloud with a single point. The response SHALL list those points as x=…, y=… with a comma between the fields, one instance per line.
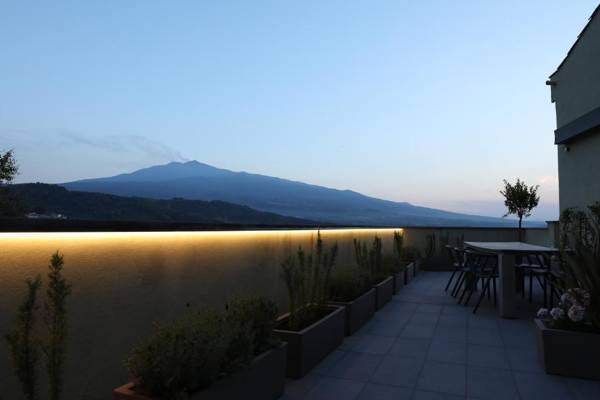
x=124, y=144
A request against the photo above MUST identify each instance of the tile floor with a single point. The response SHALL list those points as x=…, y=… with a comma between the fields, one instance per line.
x=423, y=346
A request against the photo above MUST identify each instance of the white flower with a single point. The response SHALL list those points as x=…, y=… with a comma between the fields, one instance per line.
x=543, y=313
x=567, y=298
x=583, y=296
x=576, y=313
x=557, y=313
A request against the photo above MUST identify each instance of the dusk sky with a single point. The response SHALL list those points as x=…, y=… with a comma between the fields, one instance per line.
x=430, y=102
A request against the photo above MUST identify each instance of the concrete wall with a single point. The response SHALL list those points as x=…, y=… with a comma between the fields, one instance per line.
x=577, y=92
x=122, y=282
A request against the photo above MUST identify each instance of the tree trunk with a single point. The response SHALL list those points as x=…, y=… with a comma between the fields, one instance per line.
x=520, y=229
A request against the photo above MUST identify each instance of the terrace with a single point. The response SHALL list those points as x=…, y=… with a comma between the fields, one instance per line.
x=424, y=346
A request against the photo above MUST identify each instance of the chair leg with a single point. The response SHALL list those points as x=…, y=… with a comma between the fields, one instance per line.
x=468, y=287
x=450, y=280
x=530, y=287
x=458, y=284
x=482, y=295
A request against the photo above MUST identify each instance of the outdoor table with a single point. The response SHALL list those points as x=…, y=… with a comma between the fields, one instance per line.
x=506, y=253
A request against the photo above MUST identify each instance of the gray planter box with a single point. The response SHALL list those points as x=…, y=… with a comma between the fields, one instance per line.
x=306, y=348
x=384, y=292
x=358, y=311
x=399, y=281
x=568, y=353
x=263, y=379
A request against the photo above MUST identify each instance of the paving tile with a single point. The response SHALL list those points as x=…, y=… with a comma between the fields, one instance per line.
x=325, y=366
x=371, y=344
x=356, y=366
x=424, y=318
x=491, y=384
x=410, y=347
x=524, y=359
x=333, y=388
x=542, y=386
x=418, y=331
x=448, y=352
x=487, y=356
x=442, y=377
x=484, y=336
x=429, y=308
x=584, y=389
x=423, y=395
x=444, y=333
x=384, y=328
x=477, y=321
x=453, y=319
x=398, y=371
x=373, y=391
x=298, y=389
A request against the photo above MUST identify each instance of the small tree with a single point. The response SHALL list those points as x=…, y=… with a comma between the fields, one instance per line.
x=23, y=342
x=8, y=170
x=520, y=199
x=55, y=311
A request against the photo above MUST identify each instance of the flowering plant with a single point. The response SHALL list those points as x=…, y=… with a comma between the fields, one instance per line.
x=572, y=311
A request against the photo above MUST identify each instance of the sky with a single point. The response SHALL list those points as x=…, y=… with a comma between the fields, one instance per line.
x=430, y=102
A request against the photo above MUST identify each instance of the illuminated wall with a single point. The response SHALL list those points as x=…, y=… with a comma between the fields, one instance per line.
x=122, y=282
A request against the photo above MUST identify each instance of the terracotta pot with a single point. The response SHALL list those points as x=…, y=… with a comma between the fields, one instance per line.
x=306, y=348
x=358, y=311
x=568, y=353
x=263, y=379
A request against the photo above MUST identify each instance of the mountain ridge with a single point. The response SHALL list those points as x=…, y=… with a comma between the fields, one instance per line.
x=194, y=180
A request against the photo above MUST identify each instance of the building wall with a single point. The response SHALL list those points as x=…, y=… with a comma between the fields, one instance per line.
x=123, y=282
x=577, y=92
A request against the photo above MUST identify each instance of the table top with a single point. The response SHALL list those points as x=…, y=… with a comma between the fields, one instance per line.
x=510, y=247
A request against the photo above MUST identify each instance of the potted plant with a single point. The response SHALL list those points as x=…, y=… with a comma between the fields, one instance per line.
x=371, y=260
x=312, y=328
x=352, y=289
x=569, y=335
x=210, y=355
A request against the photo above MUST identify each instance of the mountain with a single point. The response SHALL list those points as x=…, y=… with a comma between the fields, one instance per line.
x=195, y=180
x=54, y=199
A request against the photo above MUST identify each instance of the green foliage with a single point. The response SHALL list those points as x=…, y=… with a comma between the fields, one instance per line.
x=8, y=167
x=519, y=200
x=399, y=251
x=250, y=321
x=370, y=259
x=9, y=204
x=307, y=278
x=36, y=197
x=580, y=248
x=410, y=254
x=443, y=241
x=188, y=354
x=430, y=245
x=55, y=316
x=348, y=283
x=24, y=344
x=180, y=357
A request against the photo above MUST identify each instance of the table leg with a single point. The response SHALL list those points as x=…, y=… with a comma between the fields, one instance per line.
x=506, y=264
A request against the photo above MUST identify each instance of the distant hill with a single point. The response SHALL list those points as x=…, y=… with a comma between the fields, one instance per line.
x=53, y=199
x=195, y=180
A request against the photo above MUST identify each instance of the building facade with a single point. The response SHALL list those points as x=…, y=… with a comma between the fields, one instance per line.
x=575, y=90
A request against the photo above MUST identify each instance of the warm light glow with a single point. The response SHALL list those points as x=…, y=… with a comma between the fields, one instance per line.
x=175, y=234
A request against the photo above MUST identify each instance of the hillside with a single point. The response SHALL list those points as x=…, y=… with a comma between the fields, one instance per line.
x=49, y=199
x=195, y=180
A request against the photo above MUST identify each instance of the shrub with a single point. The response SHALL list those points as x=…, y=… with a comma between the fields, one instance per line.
x=348, y=283
x=23, y=343
x=186, y=355
x=180, y=357
x=307, y=279
x=370, y=260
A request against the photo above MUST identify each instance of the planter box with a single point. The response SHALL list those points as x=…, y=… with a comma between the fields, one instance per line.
x=306, y=348
x=399, y=281
x=569, y=353
x=263, y=379
x=384, y=291
x=358, y=311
